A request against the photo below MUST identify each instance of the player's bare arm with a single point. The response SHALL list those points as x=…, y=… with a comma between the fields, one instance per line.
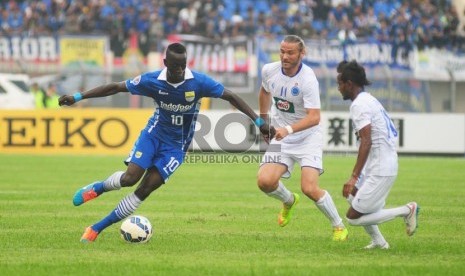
x=97, y=92
x=363, y=151
x=264, y=103
x=236, y=101
x=311, y=119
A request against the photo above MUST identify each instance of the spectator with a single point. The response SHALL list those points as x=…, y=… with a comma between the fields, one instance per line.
x=85, y=21
x=169, y=26
x=381, y=33
x=56, y=20
x=155, y=31
x=337, y=15
x=142, y=29
x=107, y=15
x=14, y=21
x=249, y=26
x=371, y=18
x=129, y=19
x=71, y=24
x=292, y=8
x=153, y=19
x=437, y=33
x=422, y=33
x=401, y=45
x=51, y=99
x=346, y=34
x=39, y=95
x=361, y=23
x=188, y=17
x=321, y=10
x=34, y=21
x=451, y=27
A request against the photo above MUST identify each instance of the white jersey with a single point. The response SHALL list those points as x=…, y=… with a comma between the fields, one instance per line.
x=382, y=159
x=291, y=97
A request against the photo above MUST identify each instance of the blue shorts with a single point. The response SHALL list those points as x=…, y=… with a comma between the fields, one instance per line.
x=149, y=151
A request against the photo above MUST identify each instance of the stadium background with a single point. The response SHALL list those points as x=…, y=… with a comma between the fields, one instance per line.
x=211, y=219
x=413, y=50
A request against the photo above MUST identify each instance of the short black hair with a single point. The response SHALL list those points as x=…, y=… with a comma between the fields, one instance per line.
x=176, y=48
x=351, y=70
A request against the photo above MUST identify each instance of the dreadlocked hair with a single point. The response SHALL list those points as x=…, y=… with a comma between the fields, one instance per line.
x=351, y=70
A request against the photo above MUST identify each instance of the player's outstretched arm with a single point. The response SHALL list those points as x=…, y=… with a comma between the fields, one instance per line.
x=97, y=92
x=264, y=103
x=236, y=101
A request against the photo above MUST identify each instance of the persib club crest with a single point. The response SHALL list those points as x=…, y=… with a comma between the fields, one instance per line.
x=295, y=90
x=190, y=95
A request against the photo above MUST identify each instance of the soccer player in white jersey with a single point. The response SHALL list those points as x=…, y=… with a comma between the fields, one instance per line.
x=290, y=89
x=162, y=144
x=376, y=167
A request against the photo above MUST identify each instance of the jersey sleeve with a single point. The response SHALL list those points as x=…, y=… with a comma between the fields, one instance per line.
x=312, y=98
x=265, y=78
x=139, y=85
x=211, y=88
x=360, y=116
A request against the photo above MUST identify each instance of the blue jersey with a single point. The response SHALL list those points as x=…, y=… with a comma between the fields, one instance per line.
x=177, y=105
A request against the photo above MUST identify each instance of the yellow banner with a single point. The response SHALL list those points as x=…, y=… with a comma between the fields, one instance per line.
x=89, y=50
x=71, y=130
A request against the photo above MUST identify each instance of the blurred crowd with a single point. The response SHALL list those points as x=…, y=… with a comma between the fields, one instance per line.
x=404, y=23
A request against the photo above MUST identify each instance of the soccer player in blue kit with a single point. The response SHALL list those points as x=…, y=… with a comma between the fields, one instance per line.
x=162, y=144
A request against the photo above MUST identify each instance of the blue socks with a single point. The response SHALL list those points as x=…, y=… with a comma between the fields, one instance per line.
x=106, y=221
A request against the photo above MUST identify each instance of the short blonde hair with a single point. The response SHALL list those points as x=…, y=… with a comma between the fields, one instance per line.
x=296, y=39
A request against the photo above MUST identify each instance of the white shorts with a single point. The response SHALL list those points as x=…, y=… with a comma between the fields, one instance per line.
x=307, y=153
x=372, y=193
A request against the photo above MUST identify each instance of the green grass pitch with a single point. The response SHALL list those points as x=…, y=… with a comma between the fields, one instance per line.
x=211, y=219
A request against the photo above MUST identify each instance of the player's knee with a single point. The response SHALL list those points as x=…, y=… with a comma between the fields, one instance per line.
x=142, y=193
x=312, y=191
x=146, y=188
x=266, y=183
x=129, y=179
x=353, y=216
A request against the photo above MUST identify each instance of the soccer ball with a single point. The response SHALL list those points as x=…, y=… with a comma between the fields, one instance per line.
x=136, y=229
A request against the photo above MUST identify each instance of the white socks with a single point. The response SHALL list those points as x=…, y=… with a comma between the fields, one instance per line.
x=372, y=230
x=113, y=182
x=375, y=234
x=282, y=194
x=380, y=216
x=327, y=207
x=325, y=203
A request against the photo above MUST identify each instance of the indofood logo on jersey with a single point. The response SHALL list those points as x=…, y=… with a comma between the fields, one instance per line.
x=284, y=105
x=176, y=107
